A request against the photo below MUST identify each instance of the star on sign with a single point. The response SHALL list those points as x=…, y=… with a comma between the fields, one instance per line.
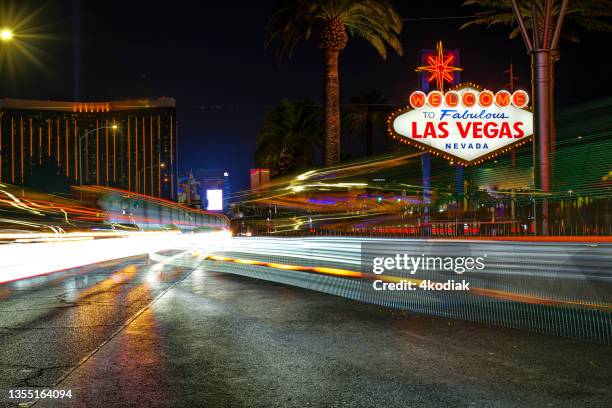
x=440, y=67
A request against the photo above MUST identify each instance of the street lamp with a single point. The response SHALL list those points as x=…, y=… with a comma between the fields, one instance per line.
x=114, y=126
x=160, y=165
x=6, y=34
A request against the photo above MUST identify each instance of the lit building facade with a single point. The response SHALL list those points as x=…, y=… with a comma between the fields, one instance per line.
x=125, y=144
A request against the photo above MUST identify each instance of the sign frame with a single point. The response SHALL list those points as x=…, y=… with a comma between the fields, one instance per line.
x=445, y=155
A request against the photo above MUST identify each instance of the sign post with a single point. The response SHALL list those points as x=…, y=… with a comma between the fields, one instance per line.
x=434, y=66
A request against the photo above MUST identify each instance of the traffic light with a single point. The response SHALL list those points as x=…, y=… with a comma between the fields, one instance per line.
x=379, y=199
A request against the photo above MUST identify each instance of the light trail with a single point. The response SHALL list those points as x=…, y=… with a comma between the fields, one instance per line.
x=316, y=269
x=558, y=288
x=332, y=198
x=344, y=273
x=51, y=253
x=41, y=233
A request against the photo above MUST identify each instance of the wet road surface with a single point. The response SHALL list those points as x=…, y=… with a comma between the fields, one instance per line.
x=219, y=340
x=49, y=324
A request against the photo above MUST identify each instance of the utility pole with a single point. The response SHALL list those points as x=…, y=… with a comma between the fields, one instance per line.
x=511, y=78
x=511, y=85
x=541, y=46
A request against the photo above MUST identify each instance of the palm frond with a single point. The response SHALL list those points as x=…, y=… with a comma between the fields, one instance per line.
x=584, y=15
x=289, y=137
x=376, y=21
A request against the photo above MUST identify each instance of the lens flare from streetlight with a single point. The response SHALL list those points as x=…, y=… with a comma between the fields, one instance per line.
x=26, y=39
x=6, y=34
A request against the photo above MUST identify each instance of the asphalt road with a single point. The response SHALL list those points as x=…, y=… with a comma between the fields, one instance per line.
x=218, y=340
x=49, y=324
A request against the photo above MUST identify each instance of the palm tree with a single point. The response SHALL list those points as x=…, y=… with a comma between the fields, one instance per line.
x=365, y=113
x=580, y=15
x=331, y=22
x=290, y=137
x=539, y=22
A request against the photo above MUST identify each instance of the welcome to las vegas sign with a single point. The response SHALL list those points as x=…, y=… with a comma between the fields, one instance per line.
x=466, y=124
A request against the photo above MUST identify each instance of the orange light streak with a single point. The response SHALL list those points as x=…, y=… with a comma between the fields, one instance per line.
x=159, y=169
x=492, y=293
x=97, y=152
x=129, y=156
x=48, y=138
x=31, y=140
x=136, y=150
x=12, y=150
x=21, y=141
x=86, y=154
x=114, y=155
x=40, y=145
x=76, y=152
x=106, y=145
x=58, y=143
x=171, y=160
x=144, y=159
x=67, y=149
x=151, y=152
x=1, y=146
x=315, y=269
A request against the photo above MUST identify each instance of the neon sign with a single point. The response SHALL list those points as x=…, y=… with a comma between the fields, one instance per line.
x=439, y=67
x=466, y=124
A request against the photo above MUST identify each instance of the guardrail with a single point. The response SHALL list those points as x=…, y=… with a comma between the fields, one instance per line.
x=557, y=288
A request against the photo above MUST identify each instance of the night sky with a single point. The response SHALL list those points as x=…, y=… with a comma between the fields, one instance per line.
x=212, y=60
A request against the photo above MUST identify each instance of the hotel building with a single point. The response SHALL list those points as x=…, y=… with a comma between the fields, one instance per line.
x=125, y=144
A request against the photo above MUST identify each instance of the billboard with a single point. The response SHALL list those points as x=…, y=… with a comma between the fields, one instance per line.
x=466, y=124
x=215, y=200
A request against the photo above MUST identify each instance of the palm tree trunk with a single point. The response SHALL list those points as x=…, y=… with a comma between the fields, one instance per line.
x=542, y=67
x=332, y=108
